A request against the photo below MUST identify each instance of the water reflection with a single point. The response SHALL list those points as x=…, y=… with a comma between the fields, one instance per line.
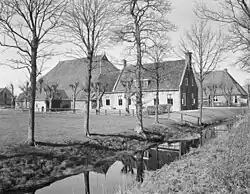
x=113, y=176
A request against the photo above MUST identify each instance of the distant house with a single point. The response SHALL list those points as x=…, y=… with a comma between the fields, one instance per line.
x=221, y=89
x=21, y=101
x=5, y=97
x=70, y=71
x=178, y=88
x=60, y=101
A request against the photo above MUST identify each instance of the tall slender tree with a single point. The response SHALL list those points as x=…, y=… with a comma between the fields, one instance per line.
x=159, y=49
x=87, y=22
x=26, y=91
x=76, y=89
x=138, y=22
x=27, y=26
x=207, y=47
x=12, y=89
x=50, y=90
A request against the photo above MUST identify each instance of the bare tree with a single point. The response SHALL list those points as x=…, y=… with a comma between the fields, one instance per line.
x=11, y=87
x=50, y=90
x=156, y=52
x=210, y=90
x=236, y=14
x=207, y=48
x=76, y=90
x=127, y=82
x=227, y=91
x=26, y=91
x=98, y=88
x=26, y=26
x=87, y=22
x=138, y=22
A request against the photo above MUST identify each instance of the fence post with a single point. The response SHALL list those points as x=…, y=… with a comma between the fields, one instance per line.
x=198, y=121
x=168, y=111
x=181, y=117
x=119, y=112
x=133, y=112
x=105, y=111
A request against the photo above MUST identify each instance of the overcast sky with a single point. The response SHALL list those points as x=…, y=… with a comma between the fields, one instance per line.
x=182, y=15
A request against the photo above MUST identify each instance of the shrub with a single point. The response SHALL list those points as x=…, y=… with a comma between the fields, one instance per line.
x=163, y=108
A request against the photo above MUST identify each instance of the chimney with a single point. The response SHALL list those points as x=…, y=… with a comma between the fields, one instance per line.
x=188, y=58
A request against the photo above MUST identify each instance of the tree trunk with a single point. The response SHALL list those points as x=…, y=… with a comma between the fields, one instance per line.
x=127, y=104
x=86, y=182
x=201, y=100
x=50, y=104
x=74, y=104
x=139, y=127
x=87, y=108
x=98, y=104
x=26, y=103
x=31, y=129
x=157, y=101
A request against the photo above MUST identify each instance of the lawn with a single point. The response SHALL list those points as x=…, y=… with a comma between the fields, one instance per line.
x=59, y=127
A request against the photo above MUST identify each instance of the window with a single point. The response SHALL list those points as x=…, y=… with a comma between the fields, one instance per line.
x=186, y=81
x=107, y=102
x=235, y=99
x=155, y=101
x=215, y=99
x=129, y=101
x=120, y=100
x=184, y=99
x=170, y=99
x=192, y=81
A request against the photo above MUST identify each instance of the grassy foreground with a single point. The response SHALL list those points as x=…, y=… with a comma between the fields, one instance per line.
x=221, y=166
x=58, y=127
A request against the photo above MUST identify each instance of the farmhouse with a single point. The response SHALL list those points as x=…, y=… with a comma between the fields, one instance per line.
x=221, y=89
x=69, y=72
x=5, y=97
x=177, y=87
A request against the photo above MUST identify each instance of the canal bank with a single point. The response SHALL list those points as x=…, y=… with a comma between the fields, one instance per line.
x=29, y=169
x=220, y=166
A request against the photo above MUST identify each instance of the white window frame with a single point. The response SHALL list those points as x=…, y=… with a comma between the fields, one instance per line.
x=120, y=100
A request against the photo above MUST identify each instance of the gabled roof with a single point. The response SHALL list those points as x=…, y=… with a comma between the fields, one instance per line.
x=6, y=89
x=70, y=71
x=220, y=78
x=171, y=73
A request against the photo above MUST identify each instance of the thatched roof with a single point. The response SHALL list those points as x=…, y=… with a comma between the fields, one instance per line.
x=223, y=79
x=171, y=73
x=70, y=71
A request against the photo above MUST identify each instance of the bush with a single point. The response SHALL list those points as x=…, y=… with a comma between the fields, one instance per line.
x=162, y=108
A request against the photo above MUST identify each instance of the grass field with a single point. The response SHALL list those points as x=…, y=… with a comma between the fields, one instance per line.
x=59, y=127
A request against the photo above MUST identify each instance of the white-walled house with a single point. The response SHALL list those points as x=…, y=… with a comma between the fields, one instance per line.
x=71, y=71
x=178, y=87
x=220, y=87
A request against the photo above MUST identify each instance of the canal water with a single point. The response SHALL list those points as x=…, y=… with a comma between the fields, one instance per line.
x=115, y=181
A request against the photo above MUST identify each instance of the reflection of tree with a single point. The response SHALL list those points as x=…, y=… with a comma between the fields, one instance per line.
x=128, y=162
x=86, y=182
x=139, y=166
